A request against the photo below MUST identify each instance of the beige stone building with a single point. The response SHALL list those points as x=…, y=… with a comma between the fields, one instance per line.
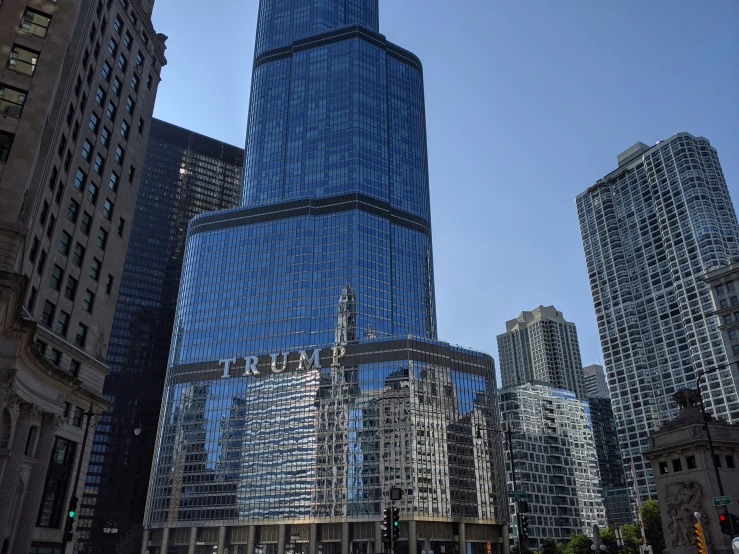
x=77, y=85
x=685, y=476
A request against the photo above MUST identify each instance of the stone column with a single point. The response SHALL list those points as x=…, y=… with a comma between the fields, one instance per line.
x=344, y=537
x=313, y=537
x=378, y=536
x=21, y=542
x=281, y=529
x=12, y=466
x=252, y=539
x=506, y=530
x=462, y=538
x=221, y=540
x=145, y=542
x=193, y=540
x=165, y=541
x=412, y=539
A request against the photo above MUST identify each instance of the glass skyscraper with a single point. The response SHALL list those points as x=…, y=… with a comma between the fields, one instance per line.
x=184, y=174
x=305, y=378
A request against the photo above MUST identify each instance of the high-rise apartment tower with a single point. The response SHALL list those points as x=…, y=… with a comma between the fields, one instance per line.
x=304, y=379
x=184, y=174
x=541, y=346
x=651, y=229
x=77, y=87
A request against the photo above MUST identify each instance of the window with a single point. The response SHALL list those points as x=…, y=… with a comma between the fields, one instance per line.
x=62, y=323
x=41, y=262
x=62, y=145
x=90, y=73
x=690, y=462
x=121, y=226
x=87, y=301
x=44, y=213
x=57, y=482
x=23, y=60
x=78, y=84
x=70, y=116
x=54, y=356
x=52, y=179
x=95, y=53
x=81, y=336
x=135, y=83
x=56, y=277
x=735, y=348
x=94, y=122
x=663, y=469
x=122, y=62
x=95, y=269
x=47, y=315
x=109, y=284
x=677, y=465
x=130, y=105
x=76, y=129
x=78, y=255
x=116, y=87
x=149, y=80
x=117, y=24
x=32, y=298
x=6, y=143
x=105, y=137
x=76, y=419
x=102, y=239
x=71, y=289
x=106, y=72
x=733, y=334
x=50, y=228
x=92, y=193
x=131, y=173
x=110, y=112
x=64, y=243
x=108, y=209
x=35, y=23
x=124, y=129
x=59, y=193
x=11, y=101
x=74, y=368
x=112, y=47
x=67, y=160
x=72, y=211
x=34, y=249
x=127, y=40
x=141, y=126
x=139, y=58
x=86, y=223
x=99, y=164
x=730, y=464
x=100, y=97
x=93, y=32
x=119, y=155
x=86, y=150
x=113, y=183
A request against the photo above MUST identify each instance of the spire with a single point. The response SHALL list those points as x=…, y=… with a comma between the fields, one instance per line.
x=346, y=324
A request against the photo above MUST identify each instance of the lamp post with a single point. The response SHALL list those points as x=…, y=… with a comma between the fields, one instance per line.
x=509, y=436
x=701, y=374
x=110, y=528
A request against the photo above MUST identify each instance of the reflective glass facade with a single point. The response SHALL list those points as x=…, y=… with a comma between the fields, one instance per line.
x=305, y=377
x=184, y=174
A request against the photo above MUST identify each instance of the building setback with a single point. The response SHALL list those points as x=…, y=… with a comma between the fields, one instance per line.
x=77, y=87
x=184, y=174
x=541, y=346
x=555, y=459
x=650, y=230
x=724, y=284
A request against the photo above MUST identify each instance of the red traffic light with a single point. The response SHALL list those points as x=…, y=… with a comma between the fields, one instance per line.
x=722, y=517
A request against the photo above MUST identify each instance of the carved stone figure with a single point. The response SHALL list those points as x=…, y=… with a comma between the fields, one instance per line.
x=683, y=499
x=687, y=398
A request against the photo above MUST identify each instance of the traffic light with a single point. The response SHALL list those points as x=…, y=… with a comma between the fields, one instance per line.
x=723, y=521
x=524, y=529
x=387, y=516
x=69, y=525
x=396, y=524
x=700, y=541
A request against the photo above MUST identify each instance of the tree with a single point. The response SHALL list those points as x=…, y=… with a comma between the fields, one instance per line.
x=631, y=532
x=549, y=546
x=579, y=544
x=130, y=543
x=653, y=526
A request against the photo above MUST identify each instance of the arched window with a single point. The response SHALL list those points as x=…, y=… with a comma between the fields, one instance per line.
x=6, y=427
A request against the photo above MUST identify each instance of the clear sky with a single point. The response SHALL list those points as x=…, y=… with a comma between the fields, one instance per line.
x=527, y=105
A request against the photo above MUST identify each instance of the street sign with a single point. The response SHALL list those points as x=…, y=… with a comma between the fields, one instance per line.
x=521, y=495
x=721, y=500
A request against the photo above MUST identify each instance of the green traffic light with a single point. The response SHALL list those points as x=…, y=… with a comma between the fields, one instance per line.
x=396, y=523
x=72, y=513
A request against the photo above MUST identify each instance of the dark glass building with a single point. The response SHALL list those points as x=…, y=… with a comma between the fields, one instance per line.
x=305, y=378
x=184, y=174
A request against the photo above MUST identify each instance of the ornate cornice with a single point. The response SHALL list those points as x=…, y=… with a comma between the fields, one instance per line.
x=156, y=44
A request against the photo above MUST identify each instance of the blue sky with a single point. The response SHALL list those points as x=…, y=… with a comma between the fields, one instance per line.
x=527, y=104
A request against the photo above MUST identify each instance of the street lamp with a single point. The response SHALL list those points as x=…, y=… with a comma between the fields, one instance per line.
x=110, y=528
x=509, y=436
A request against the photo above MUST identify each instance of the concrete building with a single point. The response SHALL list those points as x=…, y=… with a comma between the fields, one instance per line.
x=685, y=475
x=650, y=230
x=77, y=88
x=594, y=382
x=556, y=461
x=724, y=285
x=541, y=346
